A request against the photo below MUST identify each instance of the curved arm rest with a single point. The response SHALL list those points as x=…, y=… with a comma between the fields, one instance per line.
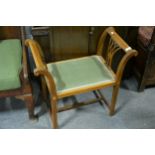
x=123, y=63
x=115, y=37
x=41, y=68
x=49, y=80
x=114, y=45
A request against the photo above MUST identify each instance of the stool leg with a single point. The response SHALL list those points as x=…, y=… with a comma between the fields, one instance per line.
x=114, y=98
x=53, y=113
x=30, y=106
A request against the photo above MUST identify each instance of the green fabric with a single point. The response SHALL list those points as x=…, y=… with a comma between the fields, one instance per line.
x=79, y=72
x=10, y=63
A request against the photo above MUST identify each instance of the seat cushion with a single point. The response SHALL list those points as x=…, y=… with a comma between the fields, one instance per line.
x=77, y=73
x=10, y=64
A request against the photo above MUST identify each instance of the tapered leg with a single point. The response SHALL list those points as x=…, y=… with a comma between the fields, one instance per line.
x=30, y=106
x=53, y=113
x=114, y=98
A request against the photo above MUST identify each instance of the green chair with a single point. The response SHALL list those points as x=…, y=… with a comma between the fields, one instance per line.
x=81, y=75
x=13, y=69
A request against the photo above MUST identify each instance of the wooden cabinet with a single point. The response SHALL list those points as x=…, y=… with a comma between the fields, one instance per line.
x=11, y=32
x=66, y=42
x=69, y=42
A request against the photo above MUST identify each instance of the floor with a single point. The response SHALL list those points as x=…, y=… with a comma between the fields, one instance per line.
x=134, y=110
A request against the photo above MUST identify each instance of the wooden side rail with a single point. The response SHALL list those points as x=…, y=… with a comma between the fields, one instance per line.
x=115, y=44
x=41, y=68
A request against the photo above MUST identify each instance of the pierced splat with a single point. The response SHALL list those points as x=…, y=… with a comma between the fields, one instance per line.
x=112, y=49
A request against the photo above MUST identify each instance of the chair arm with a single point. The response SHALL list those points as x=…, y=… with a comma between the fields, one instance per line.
x=129, y=54
x=115, y=44
x=41, y=67
x=49, y=80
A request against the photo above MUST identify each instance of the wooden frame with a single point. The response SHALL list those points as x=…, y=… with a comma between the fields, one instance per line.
x=25, y=91
x=116, y=43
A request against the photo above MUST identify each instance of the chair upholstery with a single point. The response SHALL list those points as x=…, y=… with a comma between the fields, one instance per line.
x=79, y=73
x=145, y=34
x=10, y=64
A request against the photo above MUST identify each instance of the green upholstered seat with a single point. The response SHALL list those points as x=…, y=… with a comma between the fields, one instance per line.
x=10, y=64
x=81, y=72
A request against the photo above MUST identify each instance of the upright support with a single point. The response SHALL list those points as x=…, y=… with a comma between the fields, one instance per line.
x=30, y=106
x=53, y=113
x=113, y=100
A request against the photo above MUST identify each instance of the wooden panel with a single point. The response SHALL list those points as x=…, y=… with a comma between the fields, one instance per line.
x=69, y=42
x=45, y=44
x=65, y=42
x=10, y=32
x=41, y=35
x=94, y=34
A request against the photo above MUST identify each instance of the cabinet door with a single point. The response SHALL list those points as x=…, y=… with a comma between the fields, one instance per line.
x=69, y=42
